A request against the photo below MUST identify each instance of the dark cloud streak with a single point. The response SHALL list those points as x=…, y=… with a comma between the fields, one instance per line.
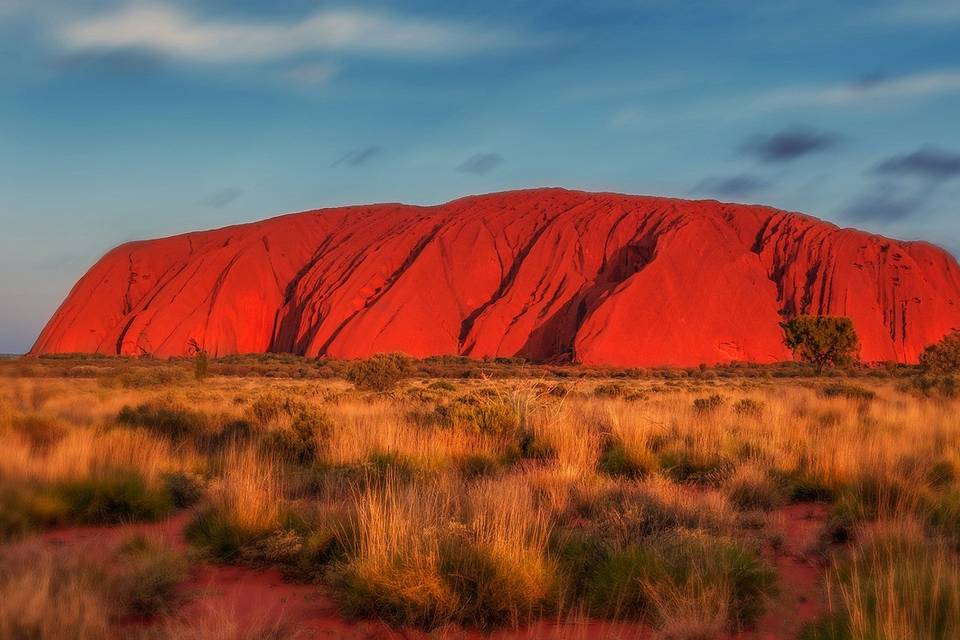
x=121, y=62
x=481, y=163
x=357, y=157
x=927, y=162
x=221, y=197
x=731, y=186
x=788, y=145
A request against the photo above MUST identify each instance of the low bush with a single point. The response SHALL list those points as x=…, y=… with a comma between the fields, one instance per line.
x=166, y=419
x=750, y=488
x=848, y=391
x=708, y=404
x=685, y=465
x=380, y=373
x=149, y=574
x=609, y=390
x=748, y=408
x=618, y=461
x=41, y=432
x=267, y=408
x=112, y=497
x=300, y=442
x=48, y=596
x=185, y=489
x=652, y=580
x=895, y=584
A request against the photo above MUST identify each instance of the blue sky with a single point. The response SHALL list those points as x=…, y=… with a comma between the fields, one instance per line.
x=122, y=119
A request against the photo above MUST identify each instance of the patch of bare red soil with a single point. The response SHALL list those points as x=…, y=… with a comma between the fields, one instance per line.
x=800, y=599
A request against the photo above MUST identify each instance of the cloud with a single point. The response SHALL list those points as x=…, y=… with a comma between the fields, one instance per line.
x=788, y=145
x=905, y=185
x=731, y=186
x=109, y=62
x=357, y=157
x=927, y=162
x=221, y=197
x=481, y=163
x=876, y=88
x=168, y=30
x=920, y=12
x=311, y=74
x=889, y=203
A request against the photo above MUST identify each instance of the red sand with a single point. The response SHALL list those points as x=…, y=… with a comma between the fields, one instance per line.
x=547, y=274
x=246, y=599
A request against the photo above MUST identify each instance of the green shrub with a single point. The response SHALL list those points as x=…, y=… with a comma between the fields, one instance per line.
x=751, y=489
x=896, y=585
x=803, y=486
x=622, y=584
x=301, y=441
x=943, y=358
x=683, y=465
x=708, y=404
x=185, y=489
x=477, y=465
x=380, y=373
x=933, y=385
x=533, y=448
x=268, y=407
x=213, y=531
x=616, y=460
x=608, y=390
x=41, y=432
x=849, y=391
x=488, y=415
x=748, y=408
x=490, y=591
x=165, y=419
x=471, y=587
x=113, y=497
x=148, y=580
x=23, y=509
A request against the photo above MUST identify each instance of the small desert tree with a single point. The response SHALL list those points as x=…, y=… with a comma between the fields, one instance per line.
x=944, y=356
x=941, y=365
x=822, y=340
x=201, y=360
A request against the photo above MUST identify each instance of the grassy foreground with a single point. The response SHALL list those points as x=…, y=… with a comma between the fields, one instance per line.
x=485, y=502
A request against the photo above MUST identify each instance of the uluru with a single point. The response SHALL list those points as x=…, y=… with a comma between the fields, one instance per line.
x=545, y=274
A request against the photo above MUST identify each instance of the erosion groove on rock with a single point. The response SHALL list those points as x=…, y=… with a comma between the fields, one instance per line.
x=547, y=274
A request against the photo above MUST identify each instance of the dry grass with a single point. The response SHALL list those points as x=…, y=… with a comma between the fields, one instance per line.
x=496, y=502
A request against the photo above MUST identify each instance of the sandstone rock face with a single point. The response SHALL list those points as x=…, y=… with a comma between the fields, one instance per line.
x=547, y=274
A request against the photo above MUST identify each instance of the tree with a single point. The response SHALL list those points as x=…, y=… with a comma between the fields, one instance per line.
x=822, y=340
x=944, y=356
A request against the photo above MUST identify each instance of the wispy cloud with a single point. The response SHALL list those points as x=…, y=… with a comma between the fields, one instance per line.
x=876, y=89
x=168, y=30
x=357, y=157
x=789, y=144
x=927, y=162
x=737, y=186
x=481, y=163
x=905, y=185
x=221, y=197
x=311, y=74
x=920, y=12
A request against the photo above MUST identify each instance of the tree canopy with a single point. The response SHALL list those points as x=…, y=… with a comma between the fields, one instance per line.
x=822, y=340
